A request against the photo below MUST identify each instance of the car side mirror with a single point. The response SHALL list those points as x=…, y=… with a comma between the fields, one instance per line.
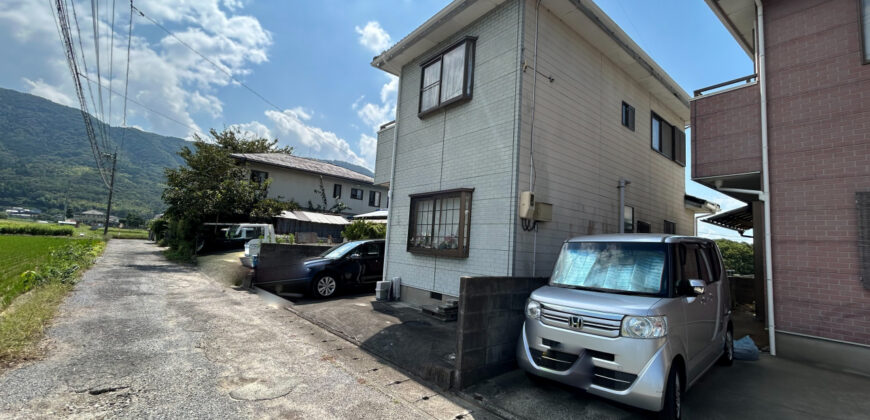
x=355, y=256
x=698, y=286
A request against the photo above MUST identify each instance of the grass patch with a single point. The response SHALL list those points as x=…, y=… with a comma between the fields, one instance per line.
x=23, y=323
x=35, y=273
x=41, y=229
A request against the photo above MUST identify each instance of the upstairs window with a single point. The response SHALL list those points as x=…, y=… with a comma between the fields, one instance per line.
x=669, y=227
x=628, y=116
x=259, y=176
x=356, y=193
x=440, y=223
x=374, y=198
x=667, y=140
x=446, y=78
x=336, y=191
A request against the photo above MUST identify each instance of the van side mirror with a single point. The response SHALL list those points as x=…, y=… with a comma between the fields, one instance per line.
x=698, y=286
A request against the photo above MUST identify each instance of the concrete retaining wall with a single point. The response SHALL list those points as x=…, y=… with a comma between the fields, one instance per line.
x=490, y=321
x=279, y=262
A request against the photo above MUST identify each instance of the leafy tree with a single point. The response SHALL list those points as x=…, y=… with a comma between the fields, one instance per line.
x=738, y=256
x=212, y=187
x=69, y=213
x=133, y=219
x=361, y=229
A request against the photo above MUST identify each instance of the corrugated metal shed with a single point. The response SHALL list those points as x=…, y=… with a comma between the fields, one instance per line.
x=311, y=217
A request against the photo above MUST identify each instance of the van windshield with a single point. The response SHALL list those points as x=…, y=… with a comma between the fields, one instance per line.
x=621, y=267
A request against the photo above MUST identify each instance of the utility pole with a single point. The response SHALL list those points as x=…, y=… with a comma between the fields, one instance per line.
x=111, y=190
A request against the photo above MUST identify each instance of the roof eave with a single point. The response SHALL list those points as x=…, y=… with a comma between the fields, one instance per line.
x=735, y=32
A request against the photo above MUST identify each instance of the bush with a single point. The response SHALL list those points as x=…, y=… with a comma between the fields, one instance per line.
x=158, y=228
x=738, y=256
x=361, y=229
x=37, y=229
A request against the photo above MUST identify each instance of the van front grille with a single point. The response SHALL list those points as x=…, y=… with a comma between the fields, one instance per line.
x=552, y=359
x=611, y=379
x=597, y=323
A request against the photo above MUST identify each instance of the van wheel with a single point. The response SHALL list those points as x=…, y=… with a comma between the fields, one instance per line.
x=672, y=409
x=727, y=358
x=324, y=286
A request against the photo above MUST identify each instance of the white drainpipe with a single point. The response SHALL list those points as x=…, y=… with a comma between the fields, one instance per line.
x=765, y=173
x=390, y=201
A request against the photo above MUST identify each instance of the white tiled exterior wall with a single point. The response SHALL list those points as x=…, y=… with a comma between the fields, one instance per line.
x=581, y=151
x=581, y=148
x=300, y=186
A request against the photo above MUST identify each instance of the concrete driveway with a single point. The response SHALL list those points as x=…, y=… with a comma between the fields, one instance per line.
x=144, y=338
x=771, y=388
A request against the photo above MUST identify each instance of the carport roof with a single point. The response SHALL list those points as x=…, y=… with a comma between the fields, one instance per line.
x=312, y=217
x=739, y=219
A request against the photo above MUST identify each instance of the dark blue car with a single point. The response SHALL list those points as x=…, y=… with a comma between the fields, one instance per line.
x=347, y=265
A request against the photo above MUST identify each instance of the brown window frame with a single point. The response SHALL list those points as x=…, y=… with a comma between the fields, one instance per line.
x=464, y=223
x=677, y=139
x=628, y=116
x=468, y=43
x=336, y=191
x=665, y=225
x=372, y=201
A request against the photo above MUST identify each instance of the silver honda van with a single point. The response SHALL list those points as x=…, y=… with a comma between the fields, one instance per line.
x=636, y=318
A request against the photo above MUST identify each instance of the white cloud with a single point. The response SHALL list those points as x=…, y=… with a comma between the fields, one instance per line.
x=390, y=88
x=164, y=75
x=374, y=37
x=253, y=129
x=292, y=128
x=50, y=92
x=368, y=147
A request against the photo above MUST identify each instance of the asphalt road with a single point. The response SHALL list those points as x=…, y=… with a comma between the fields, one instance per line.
x=142, y=337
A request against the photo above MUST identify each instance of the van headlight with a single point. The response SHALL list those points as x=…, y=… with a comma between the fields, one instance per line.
x=533, y=309
x=644, y=326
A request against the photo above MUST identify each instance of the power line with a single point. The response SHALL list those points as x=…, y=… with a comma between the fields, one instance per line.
x=196, y=129
x=221, y=69
x=95, y=22
x=127, y=76
x=111, y=58
x=69, y=51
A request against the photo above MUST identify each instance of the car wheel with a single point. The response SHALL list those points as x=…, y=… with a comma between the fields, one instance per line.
x=324, y=286
x=672, y=409
x=727, y=358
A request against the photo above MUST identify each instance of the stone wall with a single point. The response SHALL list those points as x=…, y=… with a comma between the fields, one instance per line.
x=491, y=315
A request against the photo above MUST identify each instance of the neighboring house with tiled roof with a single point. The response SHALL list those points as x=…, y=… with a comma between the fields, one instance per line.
x=299, y=179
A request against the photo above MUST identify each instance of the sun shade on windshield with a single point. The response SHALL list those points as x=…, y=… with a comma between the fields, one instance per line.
x=626, y=267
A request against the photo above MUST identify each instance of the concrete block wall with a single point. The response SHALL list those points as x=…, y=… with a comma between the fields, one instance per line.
x=491, y=316
x=469, y=145
x=581, y=148
x=279, y=262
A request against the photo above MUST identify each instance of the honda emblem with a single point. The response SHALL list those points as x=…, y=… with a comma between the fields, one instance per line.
x=575, y=322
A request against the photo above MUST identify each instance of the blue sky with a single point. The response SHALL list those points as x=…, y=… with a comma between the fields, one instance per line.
x=311, y=59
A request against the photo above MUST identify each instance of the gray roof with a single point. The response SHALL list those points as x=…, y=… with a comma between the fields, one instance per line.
x=302, y=164
x=94, y=212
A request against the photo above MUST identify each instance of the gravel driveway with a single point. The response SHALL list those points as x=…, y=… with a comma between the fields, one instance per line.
x=142, y=337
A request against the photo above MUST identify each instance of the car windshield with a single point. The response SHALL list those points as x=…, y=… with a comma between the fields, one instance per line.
x=626, y=267
x=337, y=252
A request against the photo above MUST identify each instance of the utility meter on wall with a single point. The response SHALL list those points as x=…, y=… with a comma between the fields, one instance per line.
x=527, y=205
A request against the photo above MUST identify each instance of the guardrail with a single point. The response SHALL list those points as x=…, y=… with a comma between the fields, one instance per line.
x=748, y=79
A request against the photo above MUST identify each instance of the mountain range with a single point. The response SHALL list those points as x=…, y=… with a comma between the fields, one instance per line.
x=46, y=161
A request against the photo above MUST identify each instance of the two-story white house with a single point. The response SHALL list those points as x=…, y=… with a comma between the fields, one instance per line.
x=498, y=97
x=300, y=179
